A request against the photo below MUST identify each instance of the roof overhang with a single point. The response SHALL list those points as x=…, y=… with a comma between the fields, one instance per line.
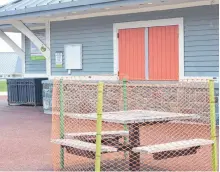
x=110, y=7
x=23, y=7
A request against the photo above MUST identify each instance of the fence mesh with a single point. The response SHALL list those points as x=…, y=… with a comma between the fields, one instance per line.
x=144, y=127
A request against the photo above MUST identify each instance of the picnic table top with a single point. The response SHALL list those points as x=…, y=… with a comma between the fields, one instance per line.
x=134, y=116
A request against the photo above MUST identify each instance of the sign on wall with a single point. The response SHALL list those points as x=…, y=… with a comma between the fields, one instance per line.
x=35, y=52
x=59, y=59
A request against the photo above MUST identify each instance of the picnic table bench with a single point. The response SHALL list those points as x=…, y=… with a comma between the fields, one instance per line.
x=110, y=138
x=173, y=149
x=83, y=145
x=76, y=143
x=82, y=148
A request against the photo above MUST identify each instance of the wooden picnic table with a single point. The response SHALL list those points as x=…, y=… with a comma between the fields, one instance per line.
x=134, y=119
x=134, y=116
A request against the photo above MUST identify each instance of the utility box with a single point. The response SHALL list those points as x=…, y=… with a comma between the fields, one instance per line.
x=25, y=91
x=73, y=56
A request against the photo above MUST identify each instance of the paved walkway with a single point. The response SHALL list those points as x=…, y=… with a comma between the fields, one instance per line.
x=24, y=138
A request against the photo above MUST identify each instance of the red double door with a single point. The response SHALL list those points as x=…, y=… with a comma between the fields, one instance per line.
x=149, y=57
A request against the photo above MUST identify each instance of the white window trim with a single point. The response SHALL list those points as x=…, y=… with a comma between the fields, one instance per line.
x=150, y=23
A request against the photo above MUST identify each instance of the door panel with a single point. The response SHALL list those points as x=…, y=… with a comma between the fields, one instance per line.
x=132, y=54
x=163, y=53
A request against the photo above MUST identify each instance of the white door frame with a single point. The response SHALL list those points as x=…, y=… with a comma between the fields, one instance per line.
x=146, y=24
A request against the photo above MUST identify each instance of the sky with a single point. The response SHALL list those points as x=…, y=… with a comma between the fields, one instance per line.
x=4, y=47
x=2, y=2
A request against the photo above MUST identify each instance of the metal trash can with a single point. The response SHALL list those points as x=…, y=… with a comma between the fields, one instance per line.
x=25, y=91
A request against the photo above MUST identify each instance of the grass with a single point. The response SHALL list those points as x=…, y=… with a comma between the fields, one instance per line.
x=3, y=86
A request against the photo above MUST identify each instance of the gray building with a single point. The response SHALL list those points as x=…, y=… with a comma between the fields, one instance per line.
x=115, y=39
x=97, y=32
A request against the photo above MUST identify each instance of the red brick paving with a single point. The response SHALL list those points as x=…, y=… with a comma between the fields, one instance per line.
x=24, y=138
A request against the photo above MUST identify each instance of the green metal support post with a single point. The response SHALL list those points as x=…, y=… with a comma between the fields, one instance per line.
x=99, y=127
x=213, y=125
x=61, y=125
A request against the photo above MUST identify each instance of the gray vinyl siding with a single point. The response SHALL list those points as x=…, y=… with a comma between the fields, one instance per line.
x=96, y=34
x=32, y=66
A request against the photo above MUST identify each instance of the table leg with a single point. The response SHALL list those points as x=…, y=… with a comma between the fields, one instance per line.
x=134, y=139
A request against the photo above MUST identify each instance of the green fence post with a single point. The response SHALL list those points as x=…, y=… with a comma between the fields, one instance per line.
x=213, y=125
x=99, y=127
x=61, y=124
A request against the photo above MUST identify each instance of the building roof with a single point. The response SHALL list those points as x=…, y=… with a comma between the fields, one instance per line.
x=30, y=6
x=37, y=8
x=26, y=4
x=10, y=63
